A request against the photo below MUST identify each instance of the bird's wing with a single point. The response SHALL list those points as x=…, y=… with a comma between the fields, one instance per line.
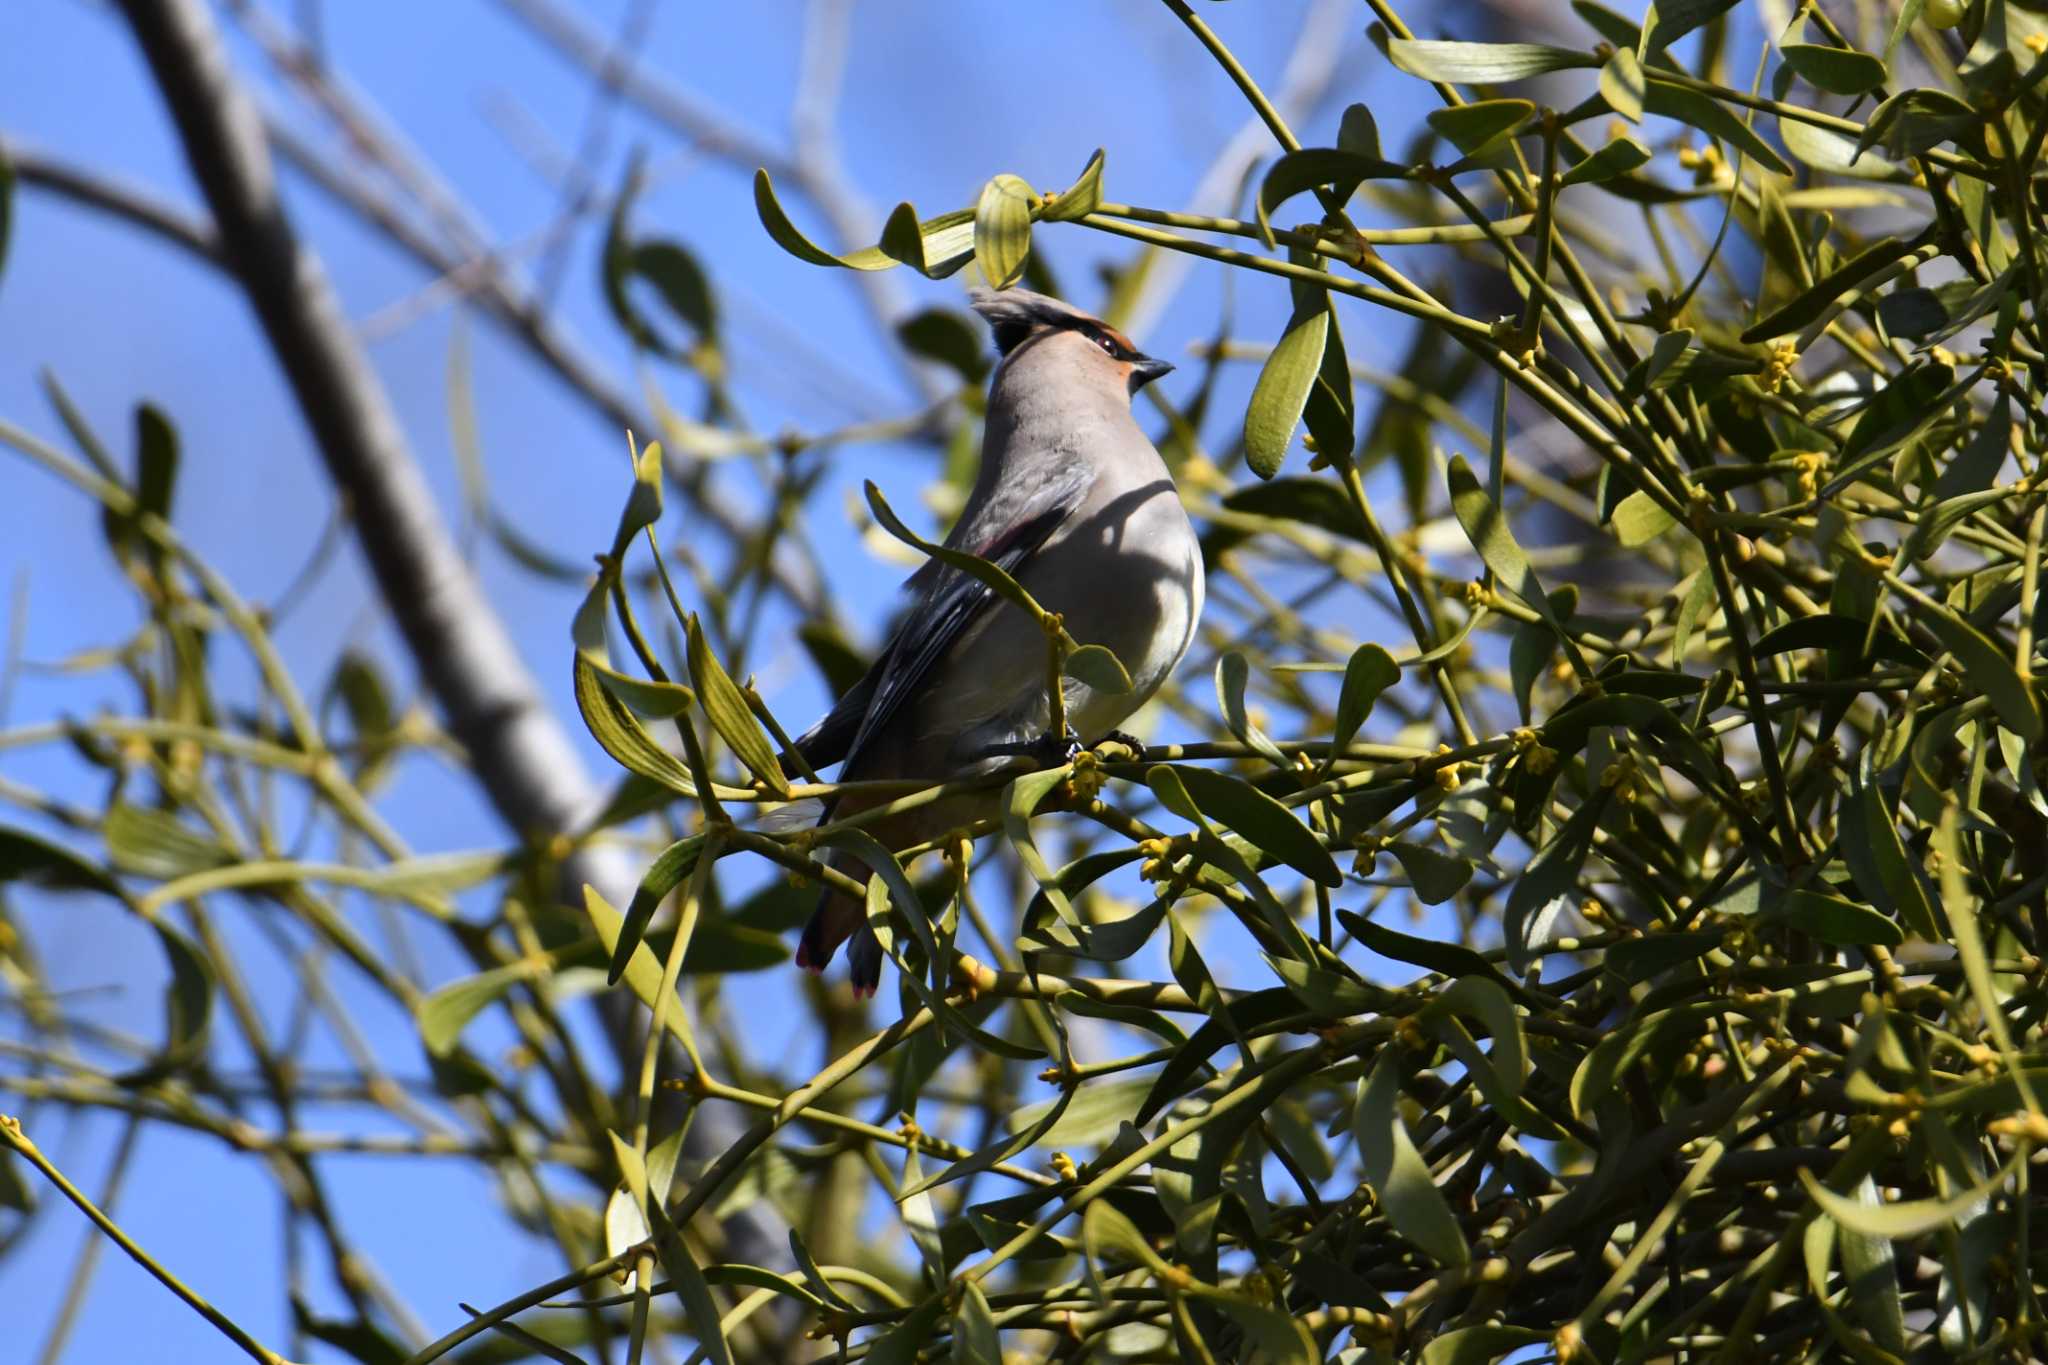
x=946, y=605
x=829, y=740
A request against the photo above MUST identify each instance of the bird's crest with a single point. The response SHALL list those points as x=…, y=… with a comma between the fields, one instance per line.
x=1014, y=314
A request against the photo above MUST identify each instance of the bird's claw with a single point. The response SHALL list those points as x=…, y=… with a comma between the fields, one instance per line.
x=1047, y=751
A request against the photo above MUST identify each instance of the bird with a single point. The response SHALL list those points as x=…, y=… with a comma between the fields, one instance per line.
x=1075, y=502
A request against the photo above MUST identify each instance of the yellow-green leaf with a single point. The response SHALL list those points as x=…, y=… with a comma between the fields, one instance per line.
x=1079, y=199
x=1622, y=85
x=1481, y=63
x=1638, y=520
x=730, y=715
x=1283, y=388
x=444, y=1014
x=1837, y=70
x=785, y=234
x=1002, y=229
x=1618, y=157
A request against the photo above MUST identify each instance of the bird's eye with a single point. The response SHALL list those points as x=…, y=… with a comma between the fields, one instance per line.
x=1108, y=343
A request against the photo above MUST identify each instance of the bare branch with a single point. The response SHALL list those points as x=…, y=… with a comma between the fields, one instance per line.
x=109, y=195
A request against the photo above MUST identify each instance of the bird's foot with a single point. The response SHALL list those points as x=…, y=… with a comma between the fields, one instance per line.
x=1048, y=750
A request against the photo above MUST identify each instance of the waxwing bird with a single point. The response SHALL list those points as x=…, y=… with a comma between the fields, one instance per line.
x=1073, y=500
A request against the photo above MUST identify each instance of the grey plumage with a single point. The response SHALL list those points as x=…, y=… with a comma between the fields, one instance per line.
x=1075, y=502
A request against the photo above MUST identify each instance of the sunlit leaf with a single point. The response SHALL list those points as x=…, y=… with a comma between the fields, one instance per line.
x=1481, y=63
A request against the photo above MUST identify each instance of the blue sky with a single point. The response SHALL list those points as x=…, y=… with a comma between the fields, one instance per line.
x=935, y=99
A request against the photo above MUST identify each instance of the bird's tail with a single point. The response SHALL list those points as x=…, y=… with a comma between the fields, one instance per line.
x=840, y=917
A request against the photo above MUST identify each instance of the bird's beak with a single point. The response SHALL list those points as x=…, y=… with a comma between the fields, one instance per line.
x=1146, y=369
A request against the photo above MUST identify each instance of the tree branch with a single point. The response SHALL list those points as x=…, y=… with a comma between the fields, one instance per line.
x=529, y=770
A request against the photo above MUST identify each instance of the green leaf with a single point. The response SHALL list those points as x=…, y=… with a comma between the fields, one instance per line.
x=1553, y=872
x=1087, y=1117
x=1833, y=920
x=934, y=247
x=1620, y=1046
x=1478, y=1345
x=975, y=1340
x=188, y=1008
x=1966, y=930
x=1638, y=520
x=1310, y=501
x=1110, y=1237
x=1916, y=121
x=1482, y=126
x=1813, y=303
x=1371, y=671
x=156, y=461
x=1904, y=1218
x=1481, y=63
x=730, y=715
x=1326, y=994
x=1620, y=31
x=1278, y=1337
x=1877, y=859
x=667, y=266
x=1618, y=157
x=1839, y=71
x=1669, y=20
x=676, y=276
x=619, y=733
x=1098, y=666
x=1482, y=998
x=1358, y=132
x=1341, y=168
x=990, y=576
x=1623, y=87
x=1002, y=229
x=785, y=235
x=1669, y=101
x=655, y=700
x=664, y=875
x=643, y=972
x=1990, y=668
x=1267, y=825
x=1975, y=466
x=1081, y=198
x=908, y=1341
x=1640, y=959
x=643, y=504
x=444, y=1014
x=1826, y=150
x=155, y=843
x=1232, y=675
x=688, y=1281
x=1697, y=599
x=1450, y=959
x=1898, y=412
x=1433, y=875
x=1283, y=388
x=1397, y=1172
x=1486, y=526
x=30, y=858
